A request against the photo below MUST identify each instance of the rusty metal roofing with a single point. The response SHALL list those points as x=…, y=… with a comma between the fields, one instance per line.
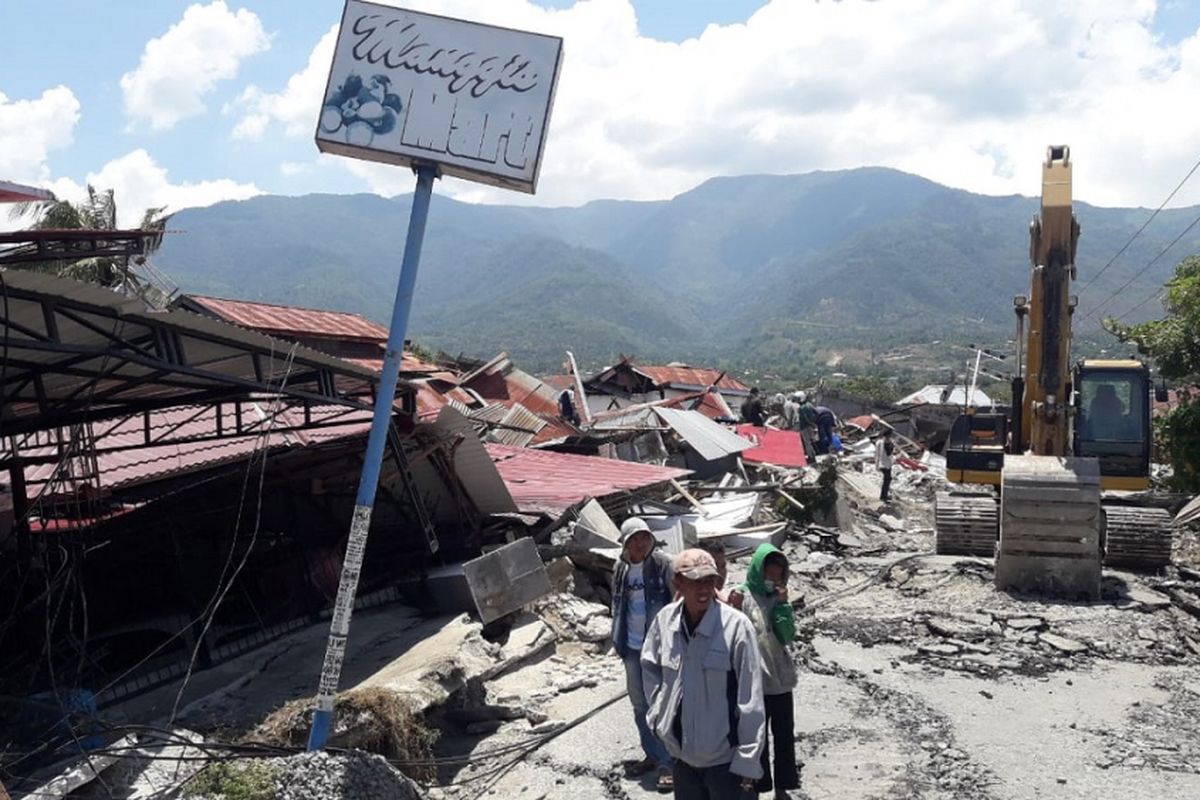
x=75, y=352
x=549, y=483
x=122, y=461
x=682, y=375
x=293, y=321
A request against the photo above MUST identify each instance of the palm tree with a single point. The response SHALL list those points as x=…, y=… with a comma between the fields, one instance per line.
x=98, y=212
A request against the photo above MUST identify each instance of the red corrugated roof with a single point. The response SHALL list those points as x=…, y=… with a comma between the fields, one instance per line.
x=559, y=382
x=147, y=464
x=684, y=375
x=781, y=448
x=294, y=321
x=711, y=405
x=541, y=481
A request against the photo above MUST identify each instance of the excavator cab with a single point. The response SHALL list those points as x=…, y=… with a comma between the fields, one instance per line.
x=1112, y=421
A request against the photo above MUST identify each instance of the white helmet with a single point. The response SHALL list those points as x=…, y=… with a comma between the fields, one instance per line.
x=800, y=396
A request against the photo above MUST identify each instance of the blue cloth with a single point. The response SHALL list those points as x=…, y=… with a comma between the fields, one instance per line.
x=825, y=421
x=656, y=575
x=651, y=746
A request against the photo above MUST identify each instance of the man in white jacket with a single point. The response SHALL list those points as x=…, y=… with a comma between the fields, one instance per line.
x=703, y=681
x=884, y=448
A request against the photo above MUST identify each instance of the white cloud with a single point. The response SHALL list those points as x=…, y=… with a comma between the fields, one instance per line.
x=966, y=93
x=140, y=183
x=183, y=65
x=296, y=106
x=31, y=129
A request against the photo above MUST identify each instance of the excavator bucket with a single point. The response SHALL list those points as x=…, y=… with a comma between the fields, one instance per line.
x=1050, y=526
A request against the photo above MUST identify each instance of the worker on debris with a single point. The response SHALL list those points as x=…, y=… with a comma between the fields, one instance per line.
x=703, y=681
x=806, y=420
x=824, y=421
x=642, y=586
x=566, y=407
x=767, y=607
x=752, y=409
x=883, y=461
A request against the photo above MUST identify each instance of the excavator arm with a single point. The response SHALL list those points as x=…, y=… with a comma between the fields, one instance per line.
x=1053, y=235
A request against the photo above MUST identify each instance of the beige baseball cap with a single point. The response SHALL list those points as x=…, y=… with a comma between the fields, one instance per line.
x=695, y=564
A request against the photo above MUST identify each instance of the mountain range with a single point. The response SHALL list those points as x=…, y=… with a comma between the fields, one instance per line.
x=754, y=270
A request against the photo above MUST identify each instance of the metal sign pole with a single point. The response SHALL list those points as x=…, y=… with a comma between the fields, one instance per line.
x=339, y=627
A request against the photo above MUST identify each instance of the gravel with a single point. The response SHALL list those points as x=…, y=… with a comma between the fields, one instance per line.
x=352, y=776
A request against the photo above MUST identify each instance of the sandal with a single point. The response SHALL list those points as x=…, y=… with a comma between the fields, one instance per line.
x=666, y=781
x=636, y=769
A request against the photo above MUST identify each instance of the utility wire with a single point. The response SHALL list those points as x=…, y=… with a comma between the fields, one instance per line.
x=1145, y=224
x=1140, y=272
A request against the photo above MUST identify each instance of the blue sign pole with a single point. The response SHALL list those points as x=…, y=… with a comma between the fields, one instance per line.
x=339, y=627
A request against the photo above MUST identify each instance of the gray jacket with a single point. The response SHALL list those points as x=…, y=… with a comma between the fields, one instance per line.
x=705, y=692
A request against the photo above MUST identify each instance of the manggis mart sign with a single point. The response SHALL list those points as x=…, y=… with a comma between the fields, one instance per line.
x=473, y=99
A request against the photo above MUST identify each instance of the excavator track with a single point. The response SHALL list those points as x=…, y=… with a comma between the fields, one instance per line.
x=966, y=524
x=1137, y=537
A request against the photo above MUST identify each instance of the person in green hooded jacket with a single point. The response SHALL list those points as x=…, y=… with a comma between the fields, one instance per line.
x=764, y=599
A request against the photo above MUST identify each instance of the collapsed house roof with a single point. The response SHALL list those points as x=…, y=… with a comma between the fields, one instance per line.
x=633, y=378
x=773, y=446
x=941, y=394
x=711, y=440
x=77, y=352
x=292, y=321
x=543, y=482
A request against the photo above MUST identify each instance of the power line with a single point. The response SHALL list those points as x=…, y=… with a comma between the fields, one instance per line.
x=1145, y=224
x=1141, y=271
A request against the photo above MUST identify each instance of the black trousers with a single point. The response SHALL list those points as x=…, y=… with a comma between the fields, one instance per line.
x=707, y=783
x=887, y=483
x=781, y=738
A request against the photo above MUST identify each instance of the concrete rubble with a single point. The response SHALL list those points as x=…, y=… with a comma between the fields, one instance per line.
x=918, y=679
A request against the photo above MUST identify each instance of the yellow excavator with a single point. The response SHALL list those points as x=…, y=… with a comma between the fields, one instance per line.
x=1072, y=435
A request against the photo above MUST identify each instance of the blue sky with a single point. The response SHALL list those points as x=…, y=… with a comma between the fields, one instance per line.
x=657, y=95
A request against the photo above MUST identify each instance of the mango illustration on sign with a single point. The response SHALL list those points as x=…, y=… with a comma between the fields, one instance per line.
x=410, y=88
x=361, y=109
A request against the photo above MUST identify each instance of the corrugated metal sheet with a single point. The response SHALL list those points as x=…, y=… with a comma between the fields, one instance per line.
x=710, y=404
x=294, y=321
x=541, y=481
x=710, y=439
x=688, y=376
x=781, y=448
x=214, y=353
x=473, y=464
x=517, y=427
x=140, y=465
x=932, y=395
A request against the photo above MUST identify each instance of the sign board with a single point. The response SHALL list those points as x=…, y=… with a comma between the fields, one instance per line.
x=506, y=579
x=409, y=87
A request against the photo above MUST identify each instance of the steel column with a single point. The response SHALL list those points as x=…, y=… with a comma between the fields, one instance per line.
x=339, y=627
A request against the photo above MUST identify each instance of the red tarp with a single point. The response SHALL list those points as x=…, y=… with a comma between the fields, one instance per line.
x=781, y=448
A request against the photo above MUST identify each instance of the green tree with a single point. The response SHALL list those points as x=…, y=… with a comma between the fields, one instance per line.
x=1174, y=344
x=96, y=212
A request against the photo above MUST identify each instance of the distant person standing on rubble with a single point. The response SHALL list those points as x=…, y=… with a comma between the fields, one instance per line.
x=806, y=420
x=766, y=606
x=703, y=680
x=824, y=422
x=642, y=586
x=884, y=449
x=752, y=409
